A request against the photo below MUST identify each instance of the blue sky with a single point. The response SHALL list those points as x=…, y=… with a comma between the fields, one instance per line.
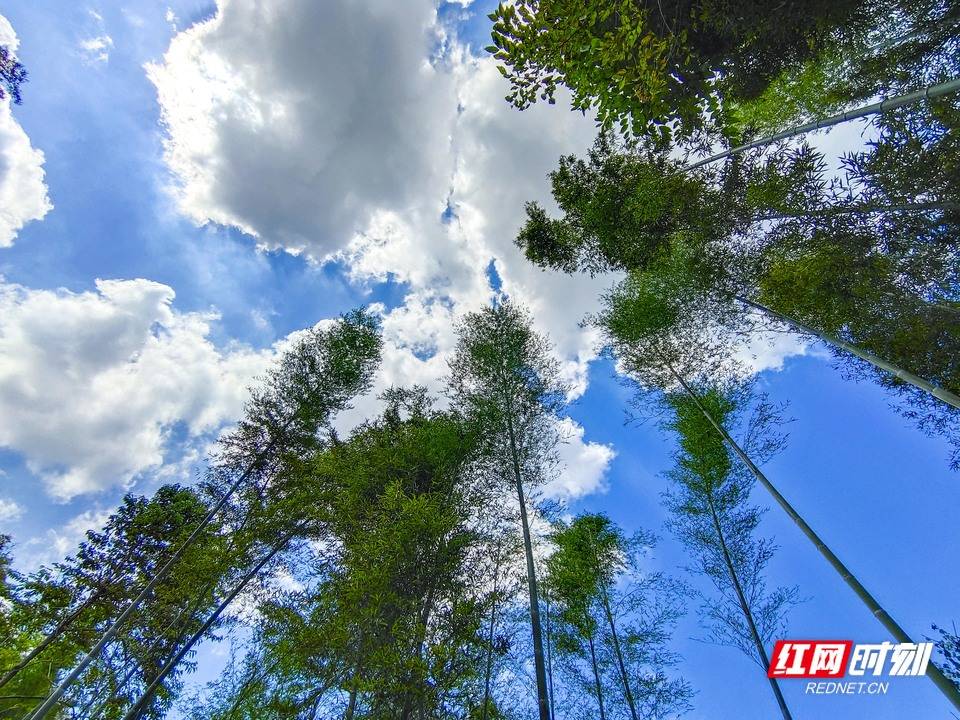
x=243, y=177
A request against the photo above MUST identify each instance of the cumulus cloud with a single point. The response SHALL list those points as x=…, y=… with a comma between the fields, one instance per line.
x=9, y=510
x=583, y=465
x=349, y=131
x=23, y=193
x=297, y=121
x=57, y=543
x=92, y=384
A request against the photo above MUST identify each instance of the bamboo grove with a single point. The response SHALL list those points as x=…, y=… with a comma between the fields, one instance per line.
x=414, y=568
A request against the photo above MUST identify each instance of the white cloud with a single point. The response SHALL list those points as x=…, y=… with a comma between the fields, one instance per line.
x=297, y=121
x=8, y=36
x=769, y=350
x=59, y=542
x=583, y=465
x=96, y=49
x=9, y=510
x=23, y=193
x=347, y=131
x=91, y=384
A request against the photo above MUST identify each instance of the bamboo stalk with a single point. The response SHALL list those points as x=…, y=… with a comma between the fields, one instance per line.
x=931, y=91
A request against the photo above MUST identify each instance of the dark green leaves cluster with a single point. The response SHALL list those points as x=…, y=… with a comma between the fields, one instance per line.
x=658, y=68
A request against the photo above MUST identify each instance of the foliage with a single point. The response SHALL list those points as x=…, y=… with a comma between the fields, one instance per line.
x=392, y=622
x=773, y=230
x=107, y=571
x=659, y=68
x=12, y=76
x=948, y=645
x=910, y=45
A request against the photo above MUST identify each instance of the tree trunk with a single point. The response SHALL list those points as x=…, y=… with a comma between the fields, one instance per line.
x=931, y=91
x=596, y=677
x=539, y=666
x=861, y=209
x=747, y=612
x=944, y=684
x=627, y=692
x=188, y=611
x=908, y=377
x=351, y=703
x=185, y=614
x=421, y=638
x=546, y=599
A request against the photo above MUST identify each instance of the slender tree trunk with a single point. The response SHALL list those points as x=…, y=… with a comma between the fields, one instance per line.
x=859, y=209
x=546, y=598
x=908, y=377
x=944, y=684
x=421, y=638
x=539, y=666
x=490, y=636
x=84, y=712
x=627, y=692
x=931, y=91
x=745, y=609
x=596, y=677
x=184, y=614
x=351, y=704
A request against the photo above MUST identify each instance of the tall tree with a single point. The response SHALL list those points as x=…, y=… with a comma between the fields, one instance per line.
x=607, y=603
x=390, y=623
x=713, y=518
x=505, y=379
